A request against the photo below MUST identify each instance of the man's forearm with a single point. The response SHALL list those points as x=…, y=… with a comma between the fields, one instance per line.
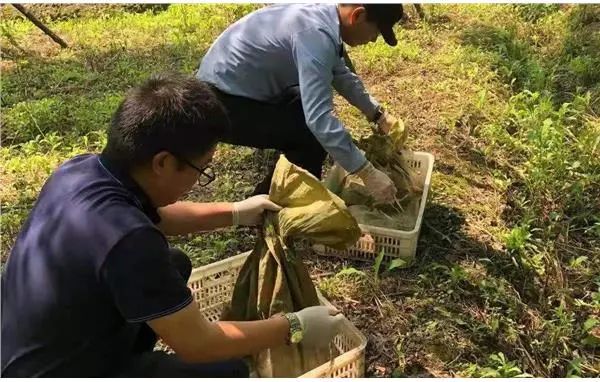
x=186, y=217
x=338, y=142
x=226, y=340
x=194, y=339
x=350, y=86
x=237, y=339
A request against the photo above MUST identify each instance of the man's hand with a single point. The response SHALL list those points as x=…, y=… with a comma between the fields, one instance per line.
x=393, y=127
x=249, y=212
x=379, y=184
x=320, y=324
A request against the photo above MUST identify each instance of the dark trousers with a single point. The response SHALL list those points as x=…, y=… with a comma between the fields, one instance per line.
x=279, y=125
x=146, y=363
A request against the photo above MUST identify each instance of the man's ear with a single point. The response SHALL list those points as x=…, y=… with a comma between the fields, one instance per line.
x=358, y=15
x=161, y=162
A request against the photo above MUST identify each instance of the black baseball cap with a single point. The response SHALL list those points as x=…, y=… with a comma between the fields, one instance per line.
x=385, y=16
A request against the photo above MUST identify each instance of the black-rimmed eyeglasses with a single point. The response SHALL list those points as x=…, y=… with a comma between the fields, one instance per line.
x=205, y=175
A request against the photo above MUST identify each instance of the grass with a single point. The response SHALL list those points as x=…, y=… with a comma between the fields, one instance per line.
x=507, y=97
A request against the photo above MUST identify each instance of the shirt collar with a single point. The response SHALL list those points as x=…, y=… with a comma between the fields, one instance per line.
x=335, y=18
x=142, y=200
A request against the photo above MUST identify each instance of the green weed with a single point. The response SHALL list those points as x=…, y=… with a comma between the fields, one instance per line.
x=499, y=367
x=507, y=98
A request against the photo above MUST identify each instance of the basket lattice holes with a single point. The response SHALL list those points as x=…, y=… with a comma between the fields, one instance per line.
x=394, y=243
x=212, y=287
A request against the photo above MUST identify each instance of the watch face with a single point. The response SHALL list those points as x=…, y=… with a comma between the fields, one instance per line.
x=296, y=337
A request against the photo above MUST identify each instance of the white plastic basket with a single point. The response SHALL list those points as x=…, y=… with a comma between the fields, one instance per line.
x=212, y=287
x=394, y=243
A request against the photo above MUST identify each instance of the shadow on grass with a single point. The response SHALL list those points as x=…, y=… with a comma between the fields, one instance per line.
x=43, y=95
x=577, y=69
x=55, y=12
x=421, y=319
x=89, y=71
x=564, y=72
x=513, y=58
x=443, y=239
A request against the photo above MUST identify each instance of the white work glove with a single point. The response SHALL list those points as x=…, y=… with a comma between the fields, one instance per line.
x=249, y=212
x=320, y=324
x=393, y=127
x=378, y=183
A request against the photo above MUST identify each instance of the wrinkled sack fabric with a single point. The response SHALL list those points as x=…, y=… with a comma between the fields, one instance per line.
x=383, y=152
x=274, y=279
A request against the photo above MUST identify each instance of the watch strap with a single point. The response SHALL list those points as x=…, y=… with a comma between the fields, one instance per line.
x=295, y=332
x=378, y=114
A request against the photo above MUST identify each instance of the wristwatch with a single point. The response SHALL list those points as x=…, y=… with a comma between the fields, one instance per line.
x=378, y=114
x=295, y=334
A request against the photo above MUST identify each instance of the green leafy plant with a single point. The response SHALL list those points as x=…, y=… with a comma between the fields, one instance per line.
x=498, y=367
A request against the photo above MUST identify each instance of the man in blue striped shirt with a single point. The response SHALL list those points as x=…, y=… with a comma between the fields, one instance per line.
x=274, y=69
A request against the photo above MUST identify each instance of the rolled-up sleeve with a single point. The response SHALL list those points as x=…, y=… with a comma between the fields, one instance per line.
x=315, y=55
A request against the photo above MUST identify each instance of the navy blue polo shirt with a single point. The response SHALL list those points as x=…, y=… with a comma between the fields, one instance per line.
x=88, y=268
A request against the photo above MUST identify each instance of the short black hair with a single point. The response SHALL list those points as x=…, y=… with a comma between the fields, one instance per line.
x=169, y=112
